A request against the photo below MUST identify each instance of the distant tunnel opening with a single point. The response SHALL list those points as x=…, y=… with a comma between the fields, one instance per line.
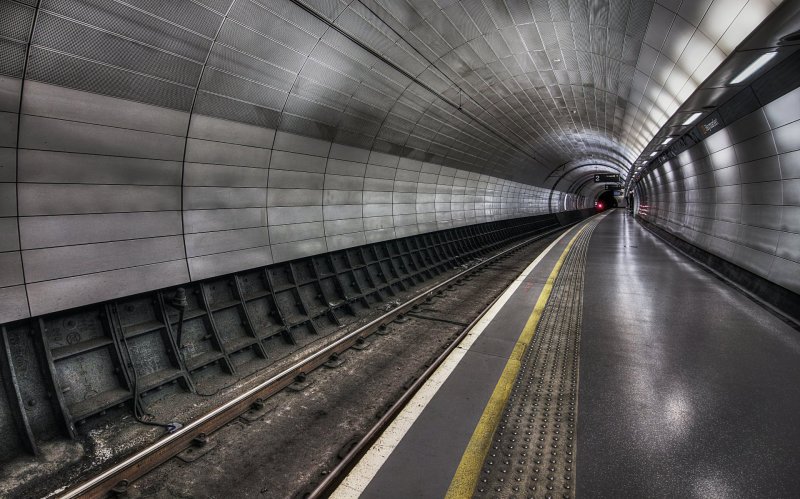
x=605, y=201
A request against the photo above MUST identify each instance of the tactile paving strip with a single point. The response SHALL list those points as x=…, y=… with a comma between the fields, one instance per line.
x=533, y=448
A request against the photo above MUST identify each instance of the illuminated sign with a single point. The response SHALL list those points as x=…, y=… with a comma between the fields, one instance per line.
x=709, y=126
x=606, y=177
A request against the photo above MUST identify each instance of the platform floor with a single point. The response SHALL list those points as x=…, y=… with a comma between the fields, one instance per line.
x=687, y=388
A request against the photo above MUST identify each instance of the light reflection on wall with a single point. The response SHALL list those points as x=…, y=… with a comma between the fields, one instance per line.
x=682, y=47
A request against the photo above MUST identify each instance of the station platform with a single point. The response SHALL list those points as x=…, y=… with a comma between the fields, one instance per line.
x=613, y=366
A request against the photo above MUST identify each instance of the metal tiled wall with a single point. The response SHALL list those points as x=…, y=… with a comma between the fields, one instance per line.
x=15, y=28
x=165, y=142
x=737, y=194
x=116, y=198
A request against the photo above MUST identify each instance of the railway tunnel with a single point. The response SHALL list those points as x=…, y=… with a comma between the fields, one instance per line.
x=400, y=248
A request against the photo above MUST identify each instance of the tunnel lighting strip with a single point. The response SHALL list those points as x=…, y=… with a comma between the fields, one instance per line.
x=691, y=119
x=753, y=67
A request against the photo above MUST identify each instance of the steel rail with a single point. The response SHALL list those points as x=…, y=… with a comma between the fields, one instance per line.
x=337, y=474
x=149, y=458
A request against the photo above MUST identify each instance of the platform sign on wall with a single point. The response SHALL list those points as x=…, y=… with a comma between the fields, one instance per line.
x=611, y=187
x=606, y=177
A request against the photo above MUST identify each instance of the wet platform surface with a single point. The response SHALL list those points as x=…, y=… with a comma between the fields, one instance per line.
x=687, y=388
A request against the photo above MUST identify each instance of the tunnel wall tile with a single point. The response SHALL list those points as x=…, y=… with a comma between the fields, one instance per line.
x=748, y=210
x=114, y=203
x=13, y=294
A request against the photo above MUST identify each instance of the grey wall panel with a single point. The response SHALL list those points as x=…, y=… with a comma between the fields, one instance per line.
x=303, y=145
x=374, y=236
x=8, y=199
x=42, y=99
x=759, y=238
x=71, y=136
x=765, y=216
x=331, y=197
x=220, y=153
x=9, y=239
x=755, y=193
x=14, y=301
x=749, y=126
x=343, y=183
x=789, y=247
x=197, y=198
x=13, y=296
x=47, y=296
x=58, y=199
x=760, y=146
x=297, y=162
x=296, y=232
x=790, y=164
x=205, y=175
x=216, y=129
x=116, y=179
x=762, y=193
x=783, y=110
x=225, y=196
x=343, y=241
x=753, y=260
x=284, y=179
x=338, y=212
x=203, y=267
x=47, y=231
x=228, y=240
x=289, y=251
x=346, y=226
x=196, y=221
x=787, y=137
x=67, y=261
x=784, y=272
x=348, y=153
x=10, y=89
x=8, y=164
x=791, y=192
x=8, y=129
x=292, y=215
x=74, y=168
x=761, y=170
x=10, y=269
x=294, y=197
x=790, y=219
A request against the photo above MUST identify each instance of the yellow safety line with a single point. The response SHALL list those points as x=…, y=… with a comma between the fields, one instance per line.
x=469, y=468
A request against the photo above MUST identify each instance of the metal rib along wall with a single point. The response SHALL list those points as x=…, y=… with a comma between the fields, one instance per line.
x=63, y=368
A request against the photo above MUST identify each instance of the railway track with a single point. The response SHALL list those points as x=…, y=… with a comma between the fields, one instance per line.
x=118, y=478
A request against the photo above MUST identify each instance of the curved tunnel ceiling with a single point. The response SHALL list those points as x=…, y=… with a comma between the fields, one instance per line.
x=509, y=88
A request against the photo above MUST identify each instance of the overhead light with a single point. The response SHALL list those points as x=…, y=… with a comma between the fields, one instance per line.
x=669, y=139
x=691, y=119
x=653, y=153
x=753, y=67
